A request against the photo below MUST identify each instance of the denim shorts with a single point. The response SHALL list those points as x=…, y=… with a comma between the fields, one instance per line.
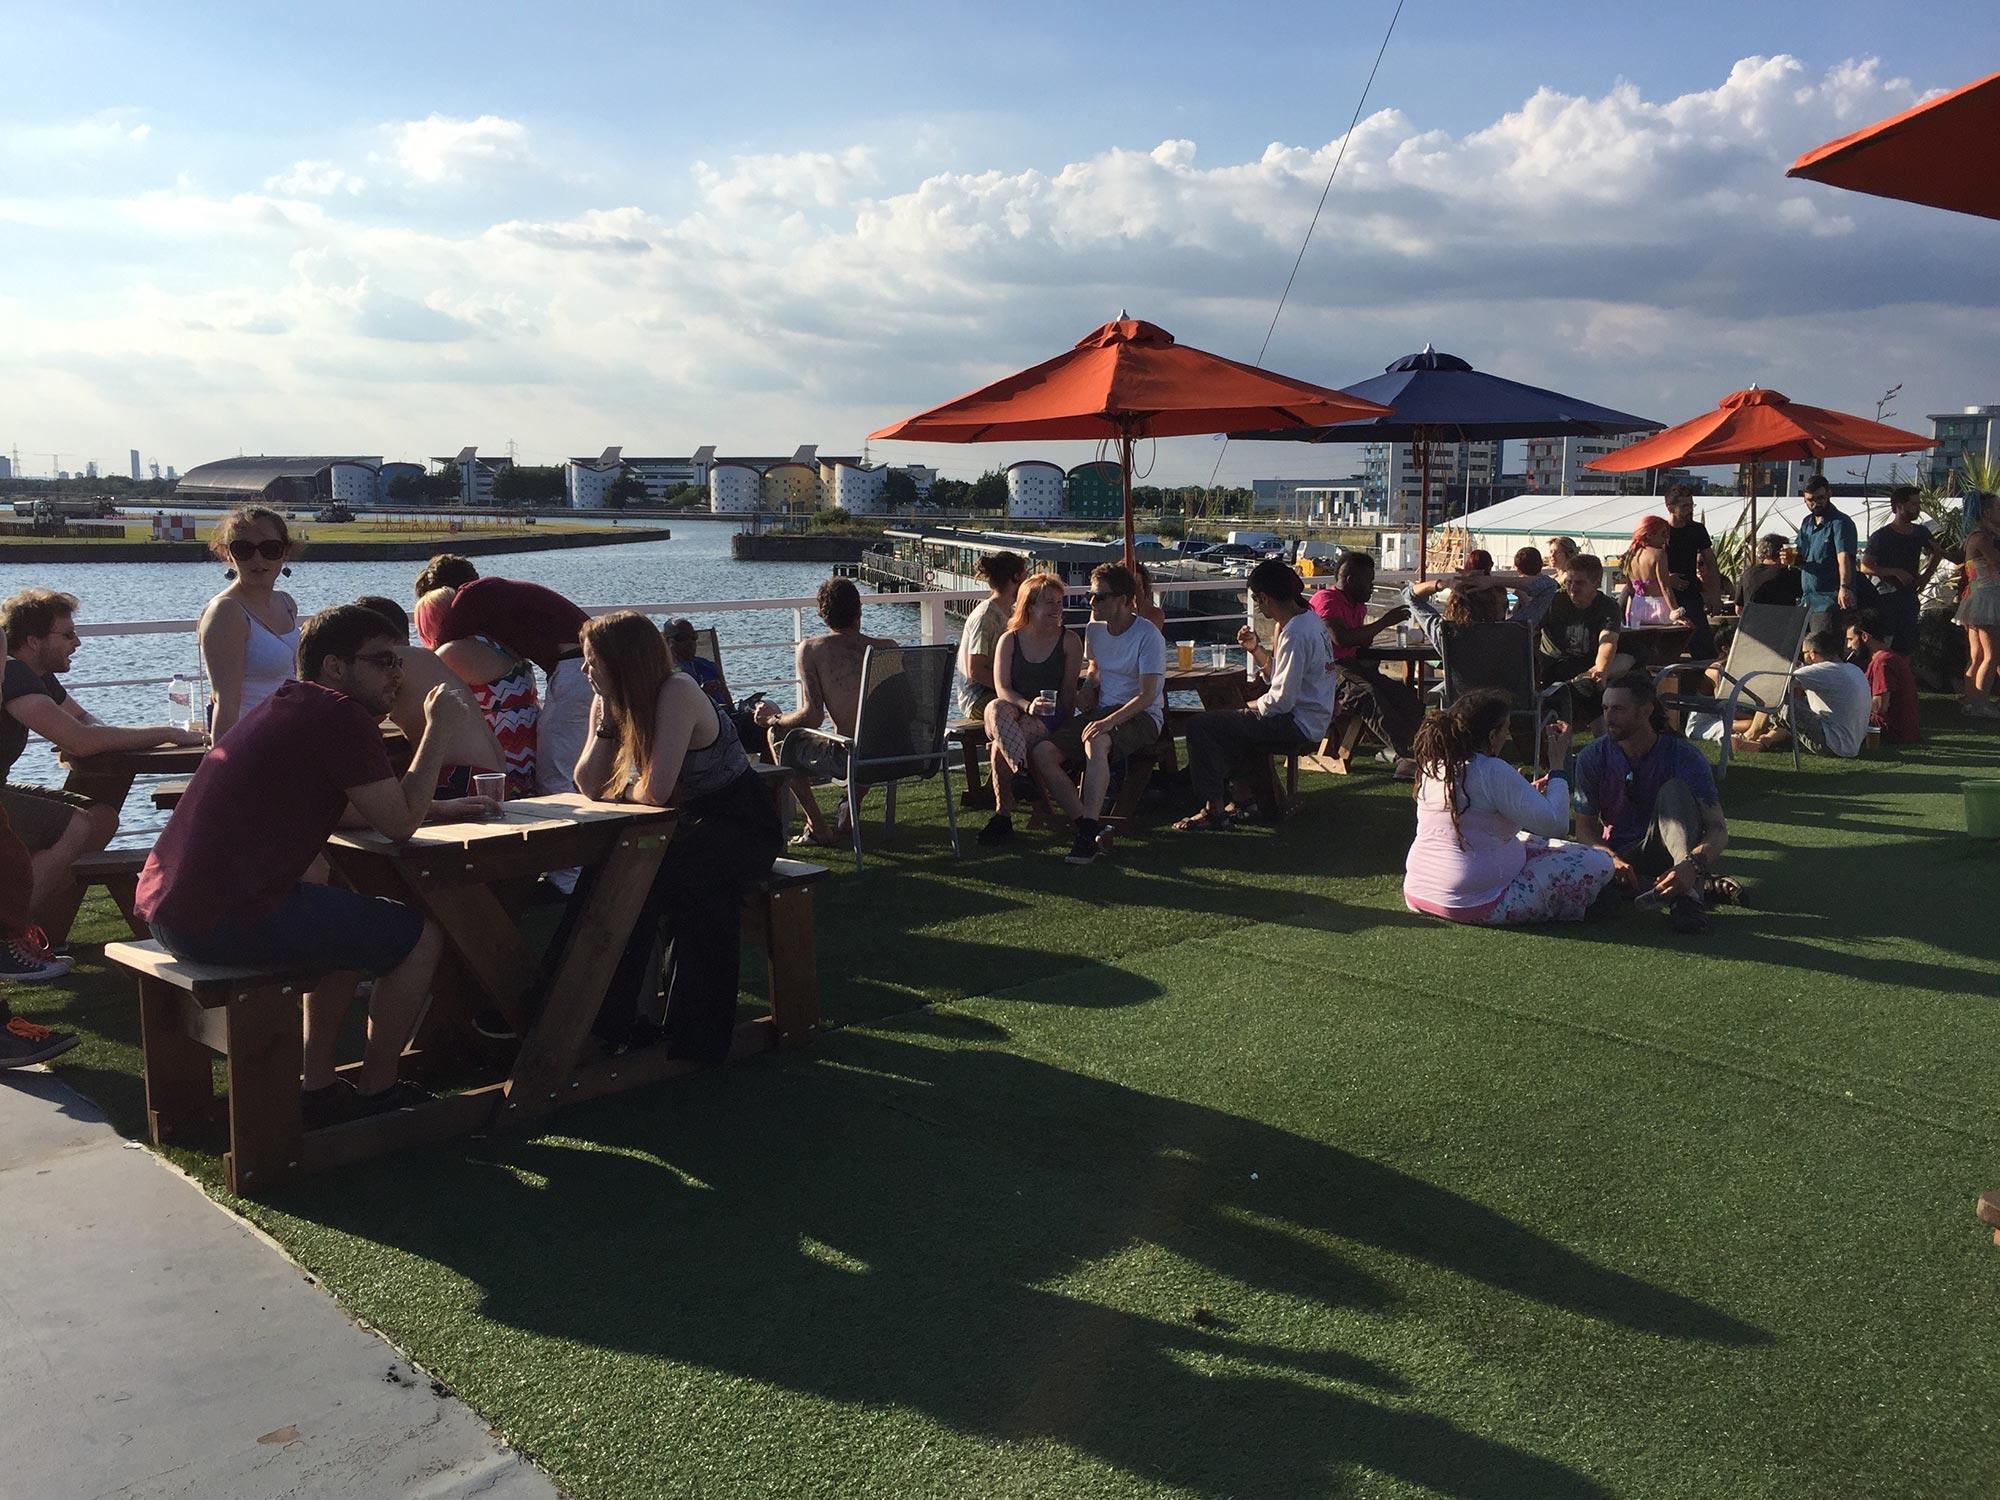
x=323, y=927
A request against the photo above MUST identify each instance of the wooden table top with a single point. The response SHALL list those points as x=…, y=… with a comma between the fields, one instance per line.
x=521, y=819
x=180, y=760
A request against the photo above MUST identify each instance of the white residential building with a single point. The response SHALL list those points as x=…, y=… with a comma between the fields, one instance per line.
x=1392, y=477
x=587, y=482
x=734, y=489
x=1034, y=491
x=1556, y=466
x=854, y=488
x=1973, y=433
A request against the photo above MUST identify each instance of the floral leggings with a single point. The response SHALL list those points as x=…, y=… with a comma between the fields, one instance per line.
x=1559, y=880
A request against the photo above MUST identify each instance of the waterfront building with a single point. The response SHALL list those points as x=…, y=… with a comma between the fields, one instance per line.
x=1392, y=476
x=1096, y=491
x=1972, y=433
x=1281, y=496
x=734, y=489
x=1034, y=491
x=475, y=474
x=790, y=487
x=854, y=487
x=587, y=482
x=302, y=480
x=1332, y=505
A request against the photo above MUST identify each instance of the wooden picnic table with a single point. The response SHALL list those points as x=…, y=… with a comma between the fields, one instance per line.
x=1217, y=687
x=1654, y=645
x=1417, y=658
x=108, y=777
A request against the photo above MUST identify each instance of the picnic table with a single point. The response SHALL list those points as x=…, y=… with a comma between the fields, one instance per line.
x=1417, y=658
x=1654, y=645
x=107, y=777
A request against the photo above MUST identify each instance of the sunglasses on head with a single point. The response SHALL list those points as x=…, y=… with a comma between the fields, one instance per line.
x=243, y=551
x=387, y=661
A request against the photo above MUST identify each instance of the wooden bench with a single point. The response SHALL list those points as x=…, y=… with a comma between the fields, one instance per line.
x=778, y=917
x=117, y=870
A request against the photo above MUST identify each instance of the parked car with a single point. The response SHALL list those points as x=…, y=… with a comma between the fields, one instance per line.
x=1228, y=552
x=334, y=512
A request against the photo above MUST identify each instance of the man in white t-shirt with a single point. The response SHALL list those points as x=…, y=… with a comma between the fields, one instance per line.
x=1123, y=706
x=1830, y=703
x=1294, y=710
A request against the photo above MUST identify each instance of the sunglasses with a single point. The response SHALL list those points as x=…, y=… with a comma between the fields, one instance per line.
x=273, y=550
x=387, y=661
x=1105, y=598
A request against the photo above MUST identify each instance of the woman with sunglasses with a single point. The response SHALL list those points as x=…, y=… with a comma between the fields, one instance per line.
x=656, y=738
x=249, y=633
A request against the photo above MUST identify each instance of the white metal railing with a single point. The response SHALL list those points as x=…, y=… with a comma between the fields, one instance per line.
x=934, y=627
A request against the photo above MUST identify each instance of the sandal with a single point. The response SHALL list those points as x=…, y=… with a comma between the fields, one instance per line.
x=1205, y=822
x=811, y=840
x=1720, y=890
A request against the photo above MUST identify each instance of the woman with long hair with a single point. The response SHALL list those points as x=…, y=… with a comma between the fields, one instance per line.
x=657, y=739
x=249, y=633
x=1979, y=611
x=1650, y=595
x=502, y=683
x=1486, y=849
x=1037, y=655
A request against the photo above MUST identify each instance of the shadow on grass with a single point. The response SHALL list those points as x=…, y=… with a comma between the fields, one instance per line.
x=921, y=1222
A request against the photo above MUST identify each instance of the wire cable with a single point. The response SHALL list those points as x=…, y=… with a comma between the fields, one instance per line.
x=1299, y=260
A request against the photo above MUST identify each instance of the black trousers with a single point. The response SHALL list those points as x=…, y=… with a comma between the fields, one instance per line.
x=1391, y=709
x=721, y=843
x=1701, y=638
x=1218, y=738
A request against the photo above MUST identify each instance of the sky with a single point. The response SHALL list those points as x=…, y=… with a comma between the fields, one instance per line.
x=405, y=229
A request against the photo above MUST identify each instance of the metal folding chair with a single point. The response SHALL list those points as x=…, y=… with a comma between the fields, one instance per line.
x=1499, y=656
x=1766, y=645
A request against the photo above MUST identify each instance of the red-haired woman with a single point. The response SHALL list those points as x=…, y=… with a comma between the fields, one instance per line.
x=1037, y=655
x=1650, y=597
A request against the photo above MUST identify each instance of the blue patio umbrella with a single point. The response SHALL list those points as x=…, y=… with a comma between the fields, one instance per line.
x=1440, y=398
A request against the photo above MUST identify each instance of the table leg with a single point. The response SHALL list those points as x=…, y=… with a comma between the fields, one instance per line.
x=108, y=787
x=549, y=1051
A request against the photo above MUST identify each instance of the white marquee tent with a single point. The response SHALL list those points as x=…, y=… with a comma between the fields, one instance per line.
x=1603, y=523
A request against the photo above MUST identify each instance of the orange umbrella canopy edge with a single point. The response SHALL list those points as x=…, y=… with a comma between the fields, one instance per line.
x=1930, y=154
x=1760, y=424
x=1128, y=378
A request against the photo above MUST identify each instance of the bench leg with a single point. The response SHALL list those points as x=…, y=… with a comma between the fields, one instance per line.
x=975, y=795
x=266, y=1119
x=124, y=891
x=180, y=1083
x=791, y=965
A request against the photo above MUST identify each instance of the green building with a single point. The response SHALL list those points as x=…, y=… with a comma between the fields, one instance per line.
x=1096, y=492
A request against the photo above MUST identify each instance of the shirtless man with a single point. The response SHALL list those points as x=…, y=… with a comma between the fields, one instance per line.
x=829, y=667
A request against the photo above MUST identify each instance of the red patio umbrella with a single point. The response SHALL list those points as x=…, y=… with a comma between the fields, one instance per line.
x=1130, y=380
x=1941, y=153
x=1755, y=427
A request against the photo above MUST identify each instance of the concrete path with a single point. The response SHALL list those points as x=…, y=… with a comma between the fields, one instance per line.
x=152, y=1346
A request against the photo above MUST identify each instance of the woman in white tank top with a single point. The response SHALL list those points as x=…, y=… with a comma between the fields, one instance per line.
x=249, y=633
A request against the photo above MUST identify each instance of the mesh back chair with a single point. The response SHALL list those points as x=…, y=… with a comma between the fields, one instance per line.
x=1498, y=655
x=899, y=729
x=1756, y=678
x=707, y=646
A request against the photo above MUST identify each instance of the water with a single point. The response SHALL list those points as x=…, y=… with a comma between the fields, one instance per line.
x=695, y=565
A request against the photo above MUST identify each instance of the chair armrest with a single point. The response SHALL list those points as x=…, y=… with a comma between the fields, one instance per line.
x=1674, y=669
x=1544, y=694
x=1744, y=681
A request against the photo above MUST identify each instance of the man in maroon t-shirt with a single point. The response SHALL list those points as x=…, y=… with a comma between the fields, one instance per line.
x=1892, y=686
x=225, y=883
x=534, y=623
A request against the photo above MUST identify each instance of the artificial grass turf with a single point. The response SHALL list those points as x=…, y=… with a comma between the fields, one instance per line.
x=1579, y=1210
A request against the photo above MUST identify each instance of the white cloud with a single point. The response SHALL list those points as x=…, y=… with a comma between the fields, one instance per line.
x=1649, y=254
x=315, y=179
x=806, y=178
x=438, y=149
x=105, y=130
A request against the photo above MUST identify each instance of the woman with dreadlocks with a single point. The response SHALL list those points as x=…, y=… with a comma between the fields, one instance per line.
x=1487, y=849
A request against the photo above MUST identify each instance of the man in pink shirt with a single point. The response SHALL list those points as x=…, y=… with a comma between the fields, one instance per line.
x=1391, y=709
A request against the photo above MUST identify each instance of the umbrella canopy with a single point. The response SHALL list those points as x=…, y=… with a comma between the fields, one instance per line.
x=1757, y=426
x=1940, y=154
x=1125, y=381
x=1440, y=398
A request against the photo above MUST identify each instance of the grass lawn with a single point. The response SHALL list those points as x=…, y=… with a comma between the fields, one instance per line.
x=1213, y=1171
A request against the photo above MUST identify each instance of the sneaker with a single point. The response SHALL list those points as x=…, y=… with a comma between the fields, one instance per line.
x=1085, y=849
x=397, y=1096
x=21, y=965
x=23, y=1043
x=999, y=828
x=1688, y=916
x=36, y=943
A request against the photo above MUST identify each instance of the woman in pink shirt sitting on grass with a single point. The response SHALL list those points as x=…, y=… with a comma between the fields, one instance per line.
x=1487, y=849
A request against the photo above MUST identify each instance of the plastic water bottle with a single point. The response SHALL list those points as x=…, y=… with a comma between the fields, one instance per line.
x=180, y=700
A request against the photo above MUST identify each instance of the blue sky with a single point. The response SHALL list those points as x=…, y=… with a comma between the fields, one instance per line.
x=402, y=229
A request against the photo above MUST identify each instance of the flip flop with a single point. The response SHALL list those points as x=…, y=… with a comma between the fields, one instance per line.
x=1205, y=822
x=1720, y=890
x=808, y=840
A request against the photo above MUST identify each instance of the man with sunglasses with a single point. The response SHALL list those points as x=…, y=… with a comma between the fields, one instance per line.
x=1123, y=707
x=58, y=827
x=226, y=882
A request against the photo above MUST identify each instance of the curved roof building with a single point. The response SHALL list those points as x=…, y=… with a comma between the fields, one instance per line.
x=287, y=481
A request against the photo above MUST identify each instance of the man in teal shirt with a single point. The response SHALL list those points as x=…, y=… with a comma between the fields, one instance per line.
x=1827, y=546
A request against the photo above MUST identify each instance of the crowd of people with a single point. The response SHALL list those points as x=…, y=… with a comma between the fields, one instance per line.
x=511, y=677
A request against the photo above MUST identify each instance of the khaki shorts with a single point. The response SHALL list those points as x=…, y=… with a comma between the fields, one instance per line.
x=1135, y=734
x=39, y=815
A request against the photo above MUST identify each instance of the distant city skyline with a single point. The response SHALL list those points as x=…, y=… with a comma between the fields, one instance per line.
x=553, y=243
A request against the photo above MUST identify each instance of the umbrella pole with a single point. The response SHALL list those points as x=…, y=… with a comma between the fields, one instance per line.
x=1125, y=474
x=1423, y=505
